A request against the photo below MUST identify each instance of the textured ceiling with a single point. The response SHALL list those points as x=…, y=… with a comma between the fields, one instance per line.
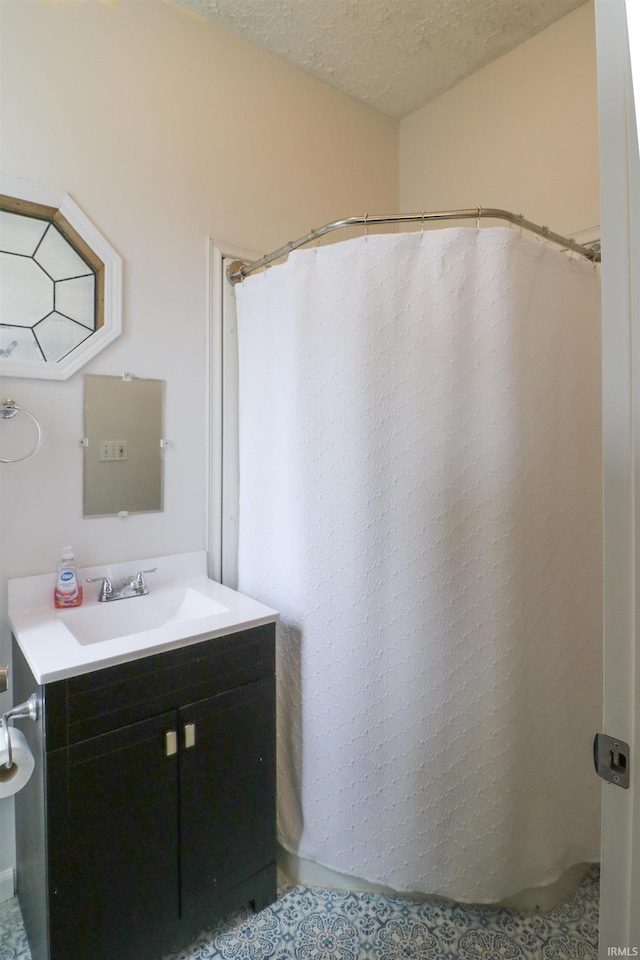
x=395, y=55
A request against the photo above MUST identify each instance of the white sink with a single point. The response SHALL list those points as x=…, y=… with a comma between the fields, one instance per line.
x=136, y=615
x=182, y=607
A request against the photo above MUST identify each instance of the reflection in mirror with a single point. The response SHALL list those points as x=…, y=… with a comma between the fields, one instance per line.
x=123, y=456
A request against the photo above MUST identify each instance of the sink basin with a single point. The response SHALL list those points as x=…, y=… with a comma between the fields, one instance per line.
x=136, y=615
x=183, y=606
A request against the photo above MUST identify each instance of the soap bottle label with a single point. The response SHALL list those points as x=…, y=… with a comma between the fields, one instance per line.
x=71, y=599
x=68, y=592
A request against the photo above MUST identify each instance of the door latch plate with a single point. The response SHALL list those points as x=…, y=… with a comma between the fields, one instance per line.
x=611, y=759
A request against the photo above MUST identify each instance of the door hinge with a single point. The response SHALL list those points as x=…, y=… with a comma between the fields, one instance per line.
x=611, y=759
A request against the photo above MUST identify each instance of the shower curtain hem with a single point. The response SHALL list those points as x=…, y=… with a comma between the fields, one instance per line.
x=390, y=890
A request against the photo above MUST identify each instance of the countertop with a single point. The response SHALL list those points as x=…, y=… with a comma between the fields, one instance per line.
x=53, y=652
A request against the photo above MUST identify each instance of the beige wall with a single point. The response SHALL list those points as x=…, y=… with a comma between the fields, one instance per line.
x=165, y=130
x=520, y=134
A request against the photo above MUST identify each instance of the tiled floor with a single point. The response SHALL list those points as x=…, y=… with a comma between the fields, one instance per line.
x=308, y=924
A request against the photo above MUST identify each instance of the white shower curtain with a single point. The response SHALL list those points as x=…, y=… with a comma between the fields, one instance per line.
x=420, y=499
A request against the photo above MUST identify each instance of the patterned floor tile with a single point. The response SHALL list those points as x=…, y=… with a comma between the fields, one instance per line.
x=13, y=940
x=306, y=924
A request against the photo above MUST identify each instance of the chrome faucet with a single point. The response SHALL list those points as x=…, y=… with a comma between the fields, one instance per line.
x=132, y=586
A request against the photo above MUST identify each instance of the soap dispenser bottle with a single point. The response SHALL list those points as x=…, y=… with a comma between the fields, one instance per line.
x=68, y=592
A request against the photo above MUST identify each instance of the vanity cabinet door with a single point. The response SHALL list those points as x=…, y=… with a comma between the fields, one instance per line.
x=227, y=792
x=113, y=842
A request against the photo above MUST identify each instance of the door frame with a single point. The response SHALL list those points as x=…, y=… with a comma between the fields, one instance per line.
x=221, y=417
x=620, y=220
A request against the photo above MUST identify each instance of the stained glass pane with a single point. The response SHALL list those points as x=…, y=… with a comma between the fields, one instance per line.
x=76, y=299
x=18, y=343
x=58, y=335
x=26, y=292
x=19, y=234
x=58, y=257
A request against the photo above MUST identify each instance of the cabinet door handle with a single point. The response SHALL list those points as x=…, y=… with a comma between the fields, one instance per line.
x=189, y=735
x=170, y=742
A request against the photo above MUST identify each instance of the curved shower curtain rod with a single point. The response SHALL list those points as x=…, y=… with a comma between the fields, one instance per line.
x=238, y=270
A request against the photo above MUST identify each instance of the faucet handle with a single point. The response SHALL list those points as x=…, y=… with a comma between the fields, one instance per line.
x=139, y=579
x=105, y=590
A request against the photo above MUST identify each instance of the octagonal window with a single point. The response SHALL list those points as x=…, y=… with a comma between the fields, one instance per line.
x=60, y=284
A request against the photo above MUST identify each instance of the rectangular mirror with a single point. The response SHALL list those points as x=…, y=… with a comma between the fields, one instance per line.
x=123, y=455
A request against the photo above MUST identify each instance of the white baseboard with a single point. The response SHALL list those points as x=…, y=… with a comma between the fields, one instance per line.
x=7, y=884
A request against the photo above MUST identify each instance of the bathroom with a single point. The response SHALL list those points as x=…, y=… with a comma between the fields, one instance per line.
x=168, y=130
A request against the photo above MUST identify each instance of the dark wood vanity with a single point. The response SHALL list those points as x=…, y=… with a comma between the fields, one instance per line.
x=151, y=812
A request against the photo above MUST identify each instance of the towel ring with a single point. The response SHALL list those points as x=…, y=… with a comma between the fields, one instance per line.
x=8, y=409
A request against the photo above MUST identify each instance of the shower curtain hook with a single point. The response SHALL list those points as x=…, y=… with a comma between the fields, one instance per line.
x=478, y=217
x=366, y=226
x=521, y=219
x=422, y=222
